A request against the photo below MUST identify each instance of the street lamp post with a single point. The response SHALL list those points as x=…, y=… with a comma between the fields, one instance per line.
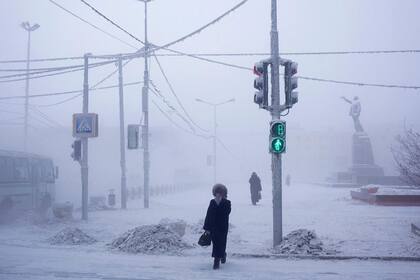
x=214, y=105
x=29, y=29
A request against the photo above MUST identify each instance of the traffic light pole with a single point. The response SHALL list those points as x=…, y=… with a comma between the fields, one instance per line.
x=122, y=136
x=276, y=164
x=145, y=107
x=84, y=161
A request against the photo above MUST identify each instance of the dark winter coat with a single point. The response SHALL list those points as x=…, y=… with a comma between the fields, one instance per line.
x=255, y=188
x=217, y=223
x=255, y=184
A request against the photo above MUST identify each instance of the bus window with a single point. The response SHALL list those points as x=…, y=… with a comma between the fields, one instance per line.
x=21, y=170
x=47, y=171
x=6, y=168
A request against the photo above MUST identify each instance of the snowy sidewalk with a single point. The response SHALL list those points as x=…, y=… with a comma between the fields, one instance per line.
x=350, y=227
x=17, y=263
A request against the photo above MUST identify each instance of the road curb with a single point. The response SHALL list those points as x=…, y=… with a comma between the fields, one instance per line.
x=327, y=257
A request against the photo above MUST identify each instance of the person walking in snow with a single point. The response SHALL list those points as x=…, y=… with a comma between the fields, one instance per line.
x=255, y=187
x=216, y=223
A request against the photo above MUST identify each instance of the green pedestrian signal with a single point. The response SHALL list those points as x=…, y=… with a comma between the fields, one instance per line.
x=278, y=137
x=277, y=145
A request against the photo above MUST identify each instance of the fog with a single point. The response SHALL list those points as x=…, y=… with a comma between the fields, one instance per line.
x=368, y=45
x=314, y=124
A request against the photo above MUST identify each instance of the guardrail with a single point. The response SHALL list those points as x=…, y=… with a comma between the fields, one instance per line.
x=159, y=190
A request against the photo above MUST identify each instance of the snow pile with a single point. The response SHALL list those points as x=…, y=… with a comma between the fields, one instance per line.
x=150, y=239
x=71, y=236
x=177, y=226
x=197, y=228
x=300, y=242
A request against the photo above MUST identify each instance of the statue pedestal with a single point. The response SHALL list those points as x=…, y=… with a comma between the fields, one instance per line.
x=363, y=163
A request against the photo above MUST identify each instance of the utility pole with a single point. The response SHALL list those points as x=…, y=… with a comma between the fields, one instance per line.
x=29, y=29
x=84, y=163
x=276, y=165
x=214, y=105
x=145, y=109
x=122, y=137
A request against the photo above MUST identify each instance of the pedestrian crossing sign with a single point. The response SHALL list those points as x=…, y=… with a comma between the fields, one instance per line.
x=85, y=125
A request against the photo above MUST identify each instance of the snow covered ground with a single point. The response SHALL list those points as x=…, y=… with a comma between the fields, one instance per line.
x=348, y=226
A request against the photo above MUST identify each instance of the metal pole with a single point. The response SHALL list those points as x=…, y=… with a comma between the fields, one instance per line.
x=215, y=145
x=145, y=99
x=276, y=166
x=84, y=163
x=28, y=56
x=122, y=136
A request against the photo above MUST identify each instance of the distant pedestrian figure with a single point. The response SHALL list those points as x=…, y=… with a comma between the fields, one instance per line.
x=255, y=187
x=217, y=223
x=288, y=180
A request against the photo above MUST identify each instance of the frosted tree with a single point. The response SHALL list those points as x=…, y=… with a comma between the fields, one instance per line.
x=407, y=156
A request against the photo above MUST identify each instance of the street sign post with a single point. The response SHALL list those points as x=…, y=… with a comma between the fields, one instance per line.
x=85, y=125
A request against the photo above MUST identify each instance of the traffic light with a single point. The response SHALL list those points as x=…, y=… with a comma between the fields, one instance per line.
x=261, y=83
x=290, y=83
x=278, y=137
x=77, y=150
x=133, y=131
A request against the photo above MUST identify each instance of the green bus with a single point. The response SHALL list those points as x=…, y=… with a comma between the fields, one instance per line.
x=27, y=181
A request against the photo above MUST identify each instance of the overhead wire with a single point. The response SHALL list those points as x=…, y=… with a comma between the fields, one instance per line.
x=54, y=73
x=67, y=92
x=414, y=51
x=175, y=95
x=167, y=45
x=47, y=69
x=113, y=22
x=172, y=108
x=91, y=24
x=176, y=124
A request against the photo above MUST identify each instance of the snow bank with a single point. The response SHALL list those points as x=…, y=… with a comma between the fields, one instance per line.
x=71, y=236
x=300, y=242
x=177, y=226
x=150, y=239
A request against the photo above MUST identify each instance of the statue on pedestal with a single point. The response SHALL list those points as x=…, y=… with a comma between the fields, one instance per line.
x=355, y=110
x=363, y=163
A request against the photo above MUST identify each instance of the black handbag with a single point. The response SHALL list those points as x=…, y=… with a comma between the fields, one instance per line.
x=205, y=240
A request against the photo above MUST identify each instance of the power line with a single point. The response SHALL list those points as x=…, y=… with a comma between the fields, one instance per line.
x=44, y=116
x=175, y=41
x=112, y=22
x=297, y=53
x=176, y=124
x=35, y=71
x=359, y=83
x=92, y=25
x=237, y=6
x=175, y=95
x=42, y=59
x=57, y=68
x=55, y=73
x=303, y=77
x=172, y=108
x=413, y=51
x=67, y=92
x=80, y=93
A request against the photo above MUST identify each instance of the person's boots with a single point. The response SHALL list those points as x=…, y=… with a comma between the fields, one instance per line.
x=216, y=264
x=223, y=260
